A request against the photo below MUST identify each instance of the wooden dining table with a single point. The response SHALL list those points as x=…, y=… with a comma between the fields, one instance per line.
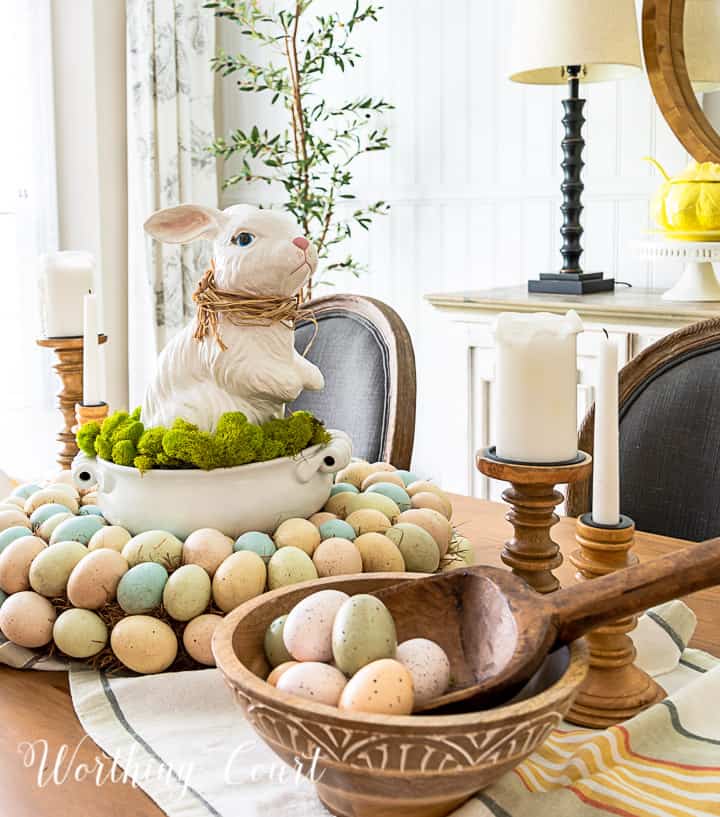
x=36, y=707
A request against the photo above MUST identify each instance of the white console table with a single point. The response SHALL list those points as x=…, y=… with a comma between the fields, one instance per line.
x=635, y=318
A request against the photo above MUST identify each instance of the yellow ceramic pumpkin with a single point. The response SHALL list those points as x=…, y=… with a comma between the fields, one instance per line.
x=687, y=207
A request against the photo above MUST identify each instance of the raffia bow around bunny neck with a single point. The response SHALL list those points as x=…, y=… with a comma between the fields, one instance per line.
x=241, y=309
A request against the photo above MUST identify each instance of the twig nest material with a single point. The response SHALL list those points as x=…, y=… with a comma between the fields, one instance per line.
x=197, y=638
x=13, y=519
x=299, y=533
x=15, y=561
x=144, y=644
x=140, y=590
x=337, y=557
x=113, y=537
x=274, y=643
x=368, y=521
x=154, y=546
x=418, y=548
x=80, y=633
x=27, y=619
x=239, y=578
x=51, y=568
x=290, y=565
x=207, y=548
x=379, y=554
x=94, y=580
x=187, y=593
x=307, y=632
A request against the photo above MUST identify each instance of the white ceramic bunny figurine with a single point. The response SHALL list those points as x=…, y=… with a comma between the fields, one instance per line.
x=259, y=253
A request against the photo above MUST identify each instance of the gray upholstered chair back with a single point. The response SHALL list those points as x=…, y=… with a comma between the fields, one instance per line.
x=365, y=354
x=670, y=436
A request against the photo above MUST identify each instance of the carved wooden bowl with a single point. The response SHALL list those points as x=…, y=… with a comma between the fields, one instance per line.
x=388, y=766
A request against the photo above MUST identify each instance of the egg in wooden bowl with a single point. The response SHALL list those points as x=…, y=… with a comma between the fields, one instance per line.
x=378, y=765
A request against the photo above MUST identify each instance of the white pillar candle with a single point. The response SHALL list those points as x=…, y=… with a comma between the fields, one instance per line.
x=606, y=469
x=64, y=278
x=92, y=391
x=536, y=386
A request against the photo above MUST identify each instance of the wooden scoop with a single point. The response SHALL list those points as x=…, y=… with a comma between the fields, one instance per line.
x=496, y=631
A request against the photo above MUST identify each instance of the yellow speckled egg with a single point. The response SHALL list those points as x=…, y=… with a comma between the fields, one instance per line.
x=27, y=619
x=51, y=568
x=112, y=537
x=13, y=519
x=337, y=505
x=154, y=546
x=307, y=632
x=382, y=476
x=355, y=473
x=80, y=633
x=144, y=644
x=383, y=466
x=46, y=530
x=298, y=533
x=94, y=580
x=187, y=593
x=433, y=522
x=70, y=490
x=379, y=554
x=208, y=548
x=426, y=499
x=197, y=638
x=337, y=557
x=239, y=578
x=321, y=517
x=48, y=495
x=313, y=680
x=290, y=565
x=374, y=502
x=383, y=687
x=15, y=561
x=368, y=521
x=279, y=671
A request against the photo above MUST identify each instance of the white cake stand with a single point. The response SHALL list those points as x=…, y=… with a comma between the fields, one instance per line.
x=698, y=281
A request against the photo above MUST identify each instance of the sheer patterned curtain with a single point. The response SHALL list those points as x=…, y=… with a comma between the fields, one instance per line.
x=170, y=124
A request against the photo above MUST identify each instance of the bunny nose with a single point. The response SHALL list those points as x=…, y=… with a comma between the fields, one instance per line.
x=301, y=242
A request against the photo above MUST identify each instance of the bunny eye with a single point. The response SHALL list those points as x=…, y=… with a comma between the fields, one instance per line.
x=243, y=239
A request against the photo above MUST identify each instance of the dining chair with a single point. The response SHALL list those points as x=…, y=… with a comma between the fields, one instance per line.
x=669, y=436
x=364, y=351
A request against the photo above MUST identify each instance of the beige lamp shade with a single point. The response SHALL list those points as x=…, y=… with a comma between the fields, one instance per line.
x=702, y=43
x=548, y=35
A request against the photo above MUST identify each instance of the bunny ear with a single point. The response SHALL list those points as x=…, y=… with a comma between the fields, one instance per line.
x=184, y=223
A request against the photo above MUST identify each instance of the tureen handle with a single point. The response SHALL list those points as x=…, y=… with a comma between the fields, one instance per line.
x=329, y=459
x=85, y=472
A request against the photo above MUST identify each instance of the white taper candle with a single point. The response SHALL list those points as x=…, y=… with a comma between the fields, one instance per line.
x=606, y=465
x=92, y=393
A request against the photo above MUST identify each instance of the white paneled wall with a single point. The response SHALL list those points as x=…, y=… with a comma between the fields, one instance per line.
x=474, y=172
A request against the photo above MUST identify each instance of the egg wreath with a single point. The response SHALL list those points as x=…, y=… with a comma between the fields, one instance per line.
x=74, y=586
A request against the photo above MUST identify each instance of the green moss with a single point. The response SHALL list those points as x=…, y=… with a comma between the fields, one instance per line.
x=124, y=453
x=86, y=437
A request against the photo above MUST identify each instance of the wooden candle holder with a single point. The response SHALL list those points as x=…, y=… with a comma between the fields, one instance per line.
x=531, y=552
x=86, y=414
x=69, y=367
x=615, y=689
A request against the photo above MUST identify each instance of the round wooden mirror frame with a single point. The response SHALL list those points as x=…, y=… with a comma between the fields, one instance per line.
x=663, y=45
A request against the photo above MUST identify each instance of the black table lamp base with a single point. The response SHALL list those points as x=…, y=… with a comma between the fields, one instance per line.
x=572, y=283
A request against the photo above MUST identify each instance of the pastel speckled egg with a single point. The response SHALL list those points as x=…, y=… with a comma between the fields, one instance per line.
x=383, y=687
x=80, y=633
x=375, y=502
x=51, y=568
x=290, y=565
x=44, y=512
x=337, y=529
x=363, y=631
x=79, y=529
x=379, y=554
x=48, y=495
x=110, y=536
x=187, y=593
x=429, y=666
x=239, y=578
x=426, y=499
x=275, y=650
x=308, y=628
x=313, y=680
x=17, y=501
x=140, y=590
x=94, y=581
x=338, y=505
x=45, y=531
x=368, y=521
x=9, y=506
x=207, y=548
x=463, y=549
x=299, y=533
x=433, y=522
x=154, y=546
x=343, y=487
x=26, y=490
x=256, y=542
x=418, y=548
x=89, y=499
x=13, y=519
x=321, y=517
x=144, y=644
x=385, y=477
x=27, y=619
x=279, y=671
x=383, y=466
x=197, y=638
x=15, y=561
x=90, y=510
x=407, y=477
x=394, y=492
x=11, y=534
x=355, y=473
x=337, y=557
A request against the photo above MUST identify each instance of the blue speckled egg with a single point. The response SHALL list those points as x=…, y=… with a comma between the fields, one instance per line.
x=343, y=487
x=79, y=529
x=141, y=589
x=407, y=477
x=90, y=510
x=26, y=490
x=398, y=495
x=337, y=529
x=256, y=542
x=44, y=512
x=11, y=534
